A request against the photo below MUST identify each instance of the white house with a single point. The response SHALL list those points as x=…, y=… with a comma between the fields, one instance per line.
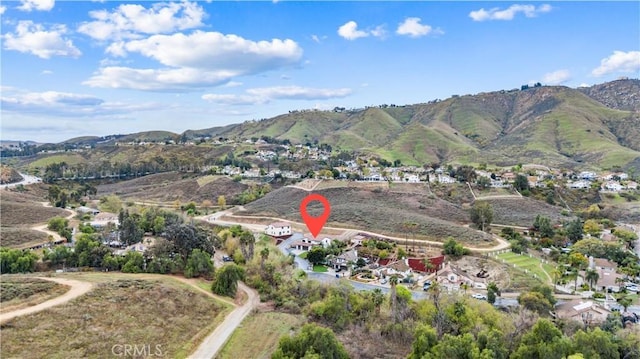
x=446, y=179
x=305, y=244
x=613, y=186
x=278, y=229
x=579, y=184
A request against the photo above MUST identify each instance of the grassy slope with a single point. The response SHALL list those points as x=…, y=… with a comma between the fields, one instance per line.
x=121, y=309
x=18, y=292
x=259, y=334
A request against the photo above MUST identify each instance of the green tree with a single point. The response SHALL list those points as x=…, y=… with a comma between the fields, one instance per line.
x=595, y=343
x=521, y=183
x=482, y=214
x=199, y=265
x=574, y=230
x=544, y=340
x=454, y=249
x=312, y=341
x=426, y=339
x=264, y=255
x=133, y=262
x=316, y=255
x=492, y=292
x=535, y=301
x=226, y=280
x=592, y=277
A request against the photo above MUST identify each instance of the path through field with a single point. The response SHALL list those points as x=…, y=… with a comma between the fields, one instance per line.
x=43, y=227
x=78, y=288
x=216, y=340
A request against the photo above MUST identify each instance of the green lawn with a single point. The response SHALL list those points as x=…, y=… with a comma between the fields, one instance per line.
x=320, y=268
x=531, y=264
x=303, y=255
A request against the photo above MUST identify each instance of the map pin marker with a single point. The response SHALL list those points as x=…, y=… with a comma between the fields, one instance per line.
x=315, y=224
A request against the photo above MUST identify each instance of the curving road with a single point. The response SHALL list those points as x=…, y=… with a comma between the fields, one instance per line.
x=26, y=180
x=212, y=344
x=78, y=288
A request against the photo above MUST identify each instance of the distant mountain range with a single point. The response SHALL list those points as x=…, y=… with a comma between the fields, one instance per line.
x=597, y=126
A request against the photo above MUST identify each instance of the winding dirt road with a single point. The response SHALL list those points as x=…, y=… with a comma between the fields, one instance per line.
x=43, y=227
x=212, y=344
x=78, y=288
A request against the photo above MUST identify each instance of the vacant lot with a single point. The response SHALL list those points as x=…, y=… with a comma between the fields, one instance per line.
x=506, y=276
x=121, y=309
x=258, y=335
x=378, y=210
x=18, y=292
x=172, y=186
x=523, y=211
x=19, y=211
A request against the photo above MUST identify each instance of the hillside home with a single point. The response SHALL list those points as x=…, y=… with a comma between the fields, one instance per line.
x=588, y=312
x=357, y=240
x=87, y=210
x=579, y=184
x=411, y=178
x=305, y=244
x=278, y=229
x=442, y=178
x=399, y=268
x=612, y=186
x=102, y=219
x=344, y=260
x=602, y=264
x=452, y=279
x=631, y=185
x=588, y=175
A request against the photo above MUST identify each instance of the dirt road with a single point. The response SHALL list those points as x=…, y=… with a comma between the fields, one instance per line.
x=78, y=288
x=43, y=227
x=216, y=340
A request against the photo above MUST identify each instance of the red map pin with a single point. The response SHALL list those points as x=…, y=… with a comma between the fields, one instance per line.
x=315, y=224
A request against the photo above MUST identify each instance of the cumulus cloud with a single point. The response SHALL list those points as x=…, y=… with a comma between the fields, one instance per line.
x=41, y=5
x=509, y=13
x=350, y=31
x=2, y=9
x=619, y=61
x=37, y=40
x=263, y=95
x=66, y=104
x=556, y=77
x=412, y=27
x=200, y=59
x=129, y=21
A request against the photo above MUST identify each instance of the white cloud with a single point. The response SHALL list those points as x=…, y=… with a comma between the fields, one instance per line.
x=2, y=9
x=412, y=27
x=42, y=5
x=509, y=13
x=619, y=61
x=318, y=38
x=233, y=84
x=350, y=31
x=584, y=85
x=556, y=77
x=263, y=95
x=65, y=104
x=166, y=79
x=379, y=31
x=130, y=21
x=200, y=59
x=299, y=93
x=35, y=39
x=46, y=72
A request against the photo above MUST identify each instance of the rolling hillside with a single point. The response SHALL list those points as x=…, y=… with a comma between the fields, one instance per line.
x=594, y=127
x=555, y=125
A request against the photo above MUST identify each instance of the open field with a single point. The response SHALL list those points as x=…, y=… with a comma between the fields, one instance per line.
x=523, y=211
x=18, y=292
x=258, y=335
x=504, y=275
x=530, y=264
x=19, y=211
x=172, y=186
x=157, y=311
x=381, y=211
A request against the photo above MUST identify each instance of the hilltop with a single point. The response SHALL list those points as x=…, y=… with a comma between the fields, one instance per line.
x=594, y=127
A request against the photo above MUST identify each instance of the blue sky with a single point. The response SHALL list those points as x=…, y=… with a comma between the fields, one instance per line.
x=72, y=68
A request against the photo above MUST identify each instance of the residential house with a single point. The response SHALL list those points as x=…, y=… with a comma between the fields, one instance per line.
x=399, y=268
x=442, y=178
x=85, y=210
x=452, y=279
x=579, y=184
x=588, y=175
x=613, y=186
x=357, y=240
x=344, y=260
x=102, y=219
x=589, y=312
x=305, y=244
x=278, y=229
x=631, y=185
x=608, y=278
x=602, y=264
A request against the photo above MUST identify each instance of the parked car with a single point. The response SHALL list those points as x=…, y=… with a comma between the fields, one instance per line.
x=227, y=259
x=633, y=288
x=479, y=296
x=426, y=285
x=384, y=281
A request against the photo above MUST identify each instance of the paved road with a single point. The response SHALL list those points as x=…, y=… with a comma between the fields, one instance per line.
x=78, y=288
x=26, y=180
x=216, y=340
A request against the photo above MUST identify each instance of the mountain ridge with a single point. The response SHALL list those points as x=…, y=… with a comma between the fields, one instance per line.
x=595, y=126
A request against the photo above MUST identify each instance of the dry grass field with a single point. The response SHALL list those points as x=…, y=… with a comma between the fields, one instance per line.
x=523, y=211
x=378, y=210
x=19, y=211
x=121, y=309
x=18, y=292
x=172, y=186
x=258, y=335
